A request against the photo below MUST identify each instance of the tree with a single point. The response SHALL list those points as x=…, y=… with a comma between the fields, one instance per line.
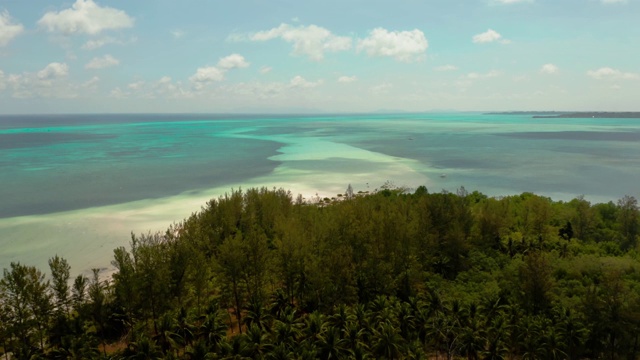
x=535, y=280
x=60, y=275
x=628, y=218
x=26, y=306
x=97, y=297
x=349, y=192
x=231, y=261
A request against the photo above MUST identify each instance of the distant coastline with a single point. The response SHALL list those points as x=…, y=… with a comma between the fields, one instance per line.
x=572, y=115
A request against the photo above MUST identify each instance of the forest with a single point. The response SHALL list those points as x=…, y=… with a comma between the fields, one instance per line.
x=391, y=274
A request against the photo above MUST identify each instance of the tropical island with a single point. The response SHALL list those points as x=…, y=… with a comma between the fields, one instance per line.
x=391, y=274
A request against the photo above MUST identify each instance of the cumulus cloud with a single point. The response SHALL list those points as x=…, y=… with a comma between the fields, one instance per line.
x=232, y=61
x=404, y=46
x=488, y=37
x=312, y=41
x=102, y=62
x=205, y=75
x=85, y=17
x=8, y=28
x=265, y=69
x=53, y=71
x=549, y=69
x=347, y=79
x=164, y=87
x=300, y=82
x=477, y=76
x=446, y=68
x=607, y=73
x=210, y=74
x=50, y=82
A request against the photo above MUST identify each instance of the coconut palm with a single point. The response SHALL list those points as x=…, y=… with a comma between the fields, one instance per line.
x=387, y=342
x=331, y=345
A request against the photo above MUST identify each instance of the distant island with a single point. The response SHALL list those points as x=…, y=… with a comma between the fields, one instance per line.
x=572, y=115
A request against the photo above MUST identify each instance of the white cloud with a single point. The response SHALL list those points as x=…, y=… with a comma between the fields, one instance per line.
x=232, y=61
x=50, y=82
x=210, y=74
x=312, y=41
x=177, y=34
x=265, y=69
x=8, y=28
x=205, y=75
x=85, y=17
x=98, y=43
x=404, y=46
x=102, y=62
x=487, y=37
x=2, y=84
x=300, y=82
x=91, y=84
x=446, y=68
x=549, y=69
x=53, y=71
x=382, y=88
x=347, y=79
x=136, y=85
x=607, y=73
x=476, y=76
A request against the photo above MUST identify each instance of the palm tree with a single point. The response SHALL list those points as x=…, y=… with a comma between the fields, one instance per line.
x=280, y=352
x=387, y=342
x=166, y=338
x=257, y=315
x=341, y=318
x=553, y=344
x=213, y=330
x=407, y=322
x=143, y=349
x=315, y=324
x=257, y=341
x=472, y=341
x=330, y=345
x=199, y=351
x=572, y=332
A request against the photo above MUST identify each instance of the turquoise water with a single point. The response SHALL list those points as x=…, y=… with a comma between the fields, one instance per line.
x=63, y=163
x=95, y=178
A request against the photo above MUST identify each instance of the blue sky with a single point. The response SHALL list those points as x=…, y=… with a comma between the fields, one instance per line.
x=88, y=56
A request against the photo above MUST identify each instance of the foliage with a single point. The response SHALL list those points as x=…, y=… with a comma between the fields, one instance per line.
x=390, y=275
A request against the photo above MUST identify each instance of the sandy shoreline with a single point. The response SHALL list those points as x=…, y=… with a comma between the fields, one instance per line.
x=87, y=237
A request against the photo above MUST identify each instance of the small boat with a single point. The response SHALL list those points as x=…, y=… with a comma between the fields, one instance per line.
x=443, y=175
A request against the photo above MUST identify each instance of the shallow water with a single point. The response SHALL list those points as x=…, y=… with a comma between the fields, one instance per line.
x=78, y=185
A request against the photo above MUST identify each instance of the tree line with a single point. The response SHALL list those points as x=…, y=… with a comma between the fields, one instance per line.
x=259, y=274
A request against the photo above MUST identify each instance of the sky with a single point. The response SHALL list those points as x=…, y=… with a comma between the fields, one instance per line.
x=308, y=56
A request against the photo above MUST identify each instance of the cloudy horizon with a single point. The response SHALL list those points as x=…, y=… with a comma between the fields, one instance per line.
x=99, y=56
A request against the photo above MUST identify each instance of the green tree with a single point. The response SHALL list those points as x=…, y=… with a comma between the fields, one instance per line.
x=26, y=304
x=60, y=276
x=628, y=216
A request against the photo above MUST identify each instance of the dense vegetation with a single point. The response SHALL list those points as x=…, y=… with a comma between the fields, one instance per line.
x=257, y=274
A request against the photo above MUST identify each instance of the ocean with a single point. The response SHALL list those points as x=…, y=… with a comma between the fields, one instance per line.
x=78, y=185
